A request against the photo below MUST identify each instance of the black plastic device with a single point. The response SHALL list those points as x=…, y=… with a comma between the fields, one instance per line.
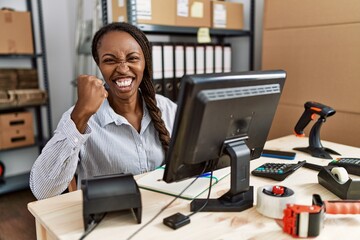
x=278, y=154
x=109, y=193
x=225, y=119
x=277, y=171
x=176, y=221
x=352, y=165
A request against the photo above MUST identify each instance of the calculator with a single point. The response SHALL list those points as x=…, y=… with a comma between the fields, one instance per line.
x=352, y=165
x=277, y=171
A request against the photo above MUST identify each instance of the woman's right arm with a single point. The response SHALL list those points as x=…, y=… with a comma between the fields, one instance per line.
x=57, y=163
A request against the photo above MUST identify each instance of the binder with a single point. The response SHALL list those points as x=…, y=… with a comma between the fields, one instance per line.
x=209, y=56
x=189, y=59
x=227, y=58
x=179, y=67
x=200, y=59
x=157, y=67
x=218, y=58
x=168, y=66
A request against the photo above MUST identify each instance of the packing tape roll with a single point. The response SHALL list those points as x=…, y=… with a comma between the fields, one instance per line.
x=341, y=174
x=271, y=202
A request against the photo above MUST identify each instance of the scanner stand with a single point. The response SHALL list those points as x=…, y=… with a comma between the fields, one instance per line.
x=107, y=194
x=315, y=147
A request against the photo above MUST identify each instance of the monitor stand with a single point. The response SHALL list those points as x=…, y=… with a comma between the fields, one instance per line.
x=240, y=196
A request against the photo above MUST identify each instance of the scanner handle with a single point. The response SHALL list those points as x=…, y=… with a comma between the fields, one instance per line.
x=311, y=110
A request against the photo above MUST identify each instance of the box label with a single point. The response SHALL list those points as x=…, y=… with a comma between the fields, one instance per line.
x=143, y=9
x=197, y=10
x=183, y=8
x=219, y=16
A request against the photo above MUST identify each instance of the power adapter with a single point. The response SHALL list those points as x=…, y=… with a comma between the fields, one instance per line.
x=176, y=221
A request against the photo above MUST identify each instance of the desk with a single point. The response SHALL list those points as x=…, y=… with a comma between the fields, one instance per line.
x=61, y=217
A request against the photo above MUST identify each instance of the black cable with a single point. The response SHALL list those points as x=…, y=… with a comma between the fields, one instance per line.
x=166, y=206
x=207, y=198
x=91, y=227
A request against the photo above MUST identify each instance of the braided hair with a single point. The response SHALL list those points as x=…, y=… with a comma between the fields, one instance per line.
x=146, y=85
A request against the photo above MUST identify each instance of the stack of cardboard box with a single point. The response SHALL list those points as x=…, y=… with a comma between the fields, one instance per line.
x=317, y=43
x=188, y=13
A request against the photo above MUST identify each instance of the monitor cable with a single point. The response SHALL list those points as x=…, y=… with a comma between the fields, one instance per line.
x=171, y=202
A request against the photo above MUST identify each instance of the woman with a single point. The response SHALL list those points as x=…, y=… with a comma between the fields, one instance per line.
x=122, y=127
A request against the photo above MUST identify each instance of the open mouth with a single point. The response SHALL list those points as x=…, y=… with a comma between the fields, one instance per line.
x=124, y=82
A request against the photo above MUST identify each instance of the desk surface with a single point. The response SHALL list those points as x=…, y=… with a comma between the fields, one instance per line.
x=61, y=217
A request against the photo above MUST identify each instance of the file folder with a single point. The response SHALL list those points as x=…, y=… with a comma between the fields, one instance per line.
x=218, y=59
x=189, y=59
x=200, y=59
x=209, y=55
x=157, y=67
x=227, y=58
x=179, y=67
x=168, y=66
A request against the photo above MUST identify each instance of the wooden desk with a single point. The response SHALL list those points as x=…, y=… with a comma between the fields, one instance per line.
x=61, y=217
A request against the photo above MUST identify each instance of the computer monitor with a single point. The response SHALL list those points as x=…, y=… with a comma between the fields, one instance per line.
x=223, y=119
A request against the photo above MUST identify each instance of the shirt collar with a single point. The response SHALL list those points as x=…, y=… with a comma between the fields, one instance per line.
x=106, y=115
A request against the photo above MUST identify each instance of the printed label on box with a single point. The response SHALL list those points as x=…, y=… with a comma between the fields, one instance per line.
x=143, y=9
x=219, y=16
x=197, y=10
x=183, y=8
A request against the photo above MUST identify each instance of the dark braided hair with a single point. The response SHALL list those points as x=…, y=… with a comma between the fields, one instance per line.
x=146, y=85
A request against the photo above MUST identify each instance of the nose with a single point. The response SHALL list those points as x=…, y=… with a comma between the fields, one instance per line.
x=122, y=66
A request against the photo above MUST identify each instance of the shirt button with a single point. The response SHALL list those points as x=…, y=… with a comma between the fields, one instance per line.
x=140, y=145
x=76, y=140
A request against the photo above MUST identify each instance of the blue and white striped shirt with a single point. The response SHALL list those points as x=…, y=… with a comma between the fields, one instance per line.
x=109, y=145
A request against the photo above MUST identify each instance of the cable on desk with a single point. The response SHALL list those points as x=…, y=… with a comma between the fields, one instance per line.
x=91, y=227
x=167, y=205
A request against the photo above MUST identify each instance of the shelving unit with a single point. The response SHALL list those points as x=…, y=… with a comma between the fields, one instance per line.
x=21, y=181
x=219, y=34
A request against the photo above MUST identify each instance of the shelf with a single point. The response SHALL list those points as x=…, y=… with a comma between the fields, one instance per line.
x=15, y=183
x=189, y=31
x=19, y=107
x=21, y=56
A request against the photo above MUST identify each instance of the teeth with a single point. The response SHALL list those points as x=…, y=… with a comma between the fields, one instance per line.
x=123, y=83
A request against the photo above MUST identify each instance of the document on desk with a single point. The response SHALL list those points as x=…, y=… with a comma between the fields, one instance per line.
x=153, y=181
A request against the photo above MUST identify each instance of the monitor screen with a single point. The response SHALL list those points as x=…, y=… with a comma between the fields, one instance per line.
x=223, y=119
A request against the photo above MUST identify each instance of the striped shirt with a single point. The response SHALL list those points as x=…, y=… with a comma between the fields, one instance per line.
x=109, y=145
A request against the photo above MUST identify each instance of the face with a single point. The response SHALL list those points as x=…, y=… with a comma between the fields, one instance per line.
x=122, y=64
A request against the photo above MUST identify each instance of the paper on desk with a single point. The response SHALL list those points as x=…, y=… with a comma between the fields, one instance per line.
x=153, y=181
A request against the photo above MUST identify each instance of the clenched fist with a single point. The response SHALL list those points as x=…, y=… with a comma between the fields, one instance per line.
x=91, y=94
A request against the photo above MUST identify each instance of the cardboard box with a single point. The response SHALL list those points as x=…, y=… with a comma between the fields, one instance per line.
x=305, y=13
x=319, y=50
x=322, y=64
x=16, y=130
x=158, y=12
x=16, y=138
x=227, y=15
x=17, y=120
x=193, y=13
x=8, y=79
x=15, y=33
x=27, y=79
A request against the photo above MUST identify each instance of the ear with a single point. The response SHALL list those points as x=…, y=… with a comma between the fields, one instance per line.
x=341, y=174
